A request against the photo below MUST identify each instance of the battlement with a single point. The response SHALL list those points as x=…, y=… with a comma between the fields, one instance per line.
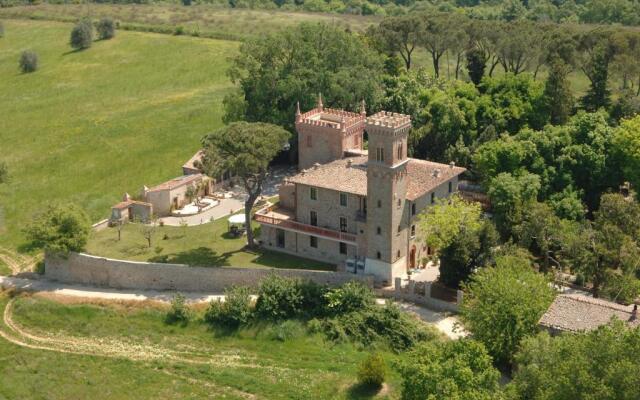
x=331, y=118
x=389, y=120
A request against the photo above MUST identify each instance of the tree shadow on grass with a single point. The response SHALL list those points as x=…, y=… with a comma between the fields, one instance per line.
x=198, y=257
x=363, y=391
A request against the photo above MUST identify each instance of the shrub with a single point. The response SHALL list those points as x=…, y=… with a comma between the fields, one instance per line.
x=60, y=229
x=352, y=296
x=179, y=30
x=235, y=311
x=279, y=298
x=285, y=331
x=82, y=35
x=372, y=371
x=106, y=28
x=28, y=61
x=179, y=312
x=386, y=324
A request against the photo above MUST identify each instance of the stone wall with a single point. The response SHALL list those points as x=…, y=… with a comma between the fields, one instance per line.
x=121, y=274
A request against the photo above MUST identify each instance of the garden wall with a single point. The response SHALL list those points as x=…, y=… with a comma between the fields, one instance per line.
x=120, y=274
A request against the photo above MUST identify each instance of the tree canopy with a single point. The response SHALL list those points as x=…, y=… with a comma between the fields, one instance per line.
x=245, y=149
x=60, y=229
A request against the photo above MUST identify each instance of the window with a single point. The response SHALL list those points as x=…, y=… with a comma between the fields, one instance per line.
x=313, y=218
x=399, y=229
x=309, y=144
x=343, y=248
x=313, y=193
x=343, y=199
x=343, y=224
x=399, y=203
x=413, y=230
x=400, y=151
x=379, y=203
x=413, y=208
x=433, y=198
x=398, y=254
x=450, y=187
x=379, y=230
x=380, y=154
x=280, y=238
x=313, y=242
x=378, y=255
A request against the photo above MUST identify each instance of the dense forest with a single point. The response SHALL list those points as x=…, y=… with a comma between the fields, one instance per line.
x=624, y=12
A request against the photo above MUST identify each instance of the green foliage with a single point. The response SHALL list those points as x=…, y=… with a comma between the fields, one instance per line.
x=246, y=149
x=106, y=28
x=594, y=365
x=458, y=369
x=510, y=195
x=350, y=297
x=441, y=223
x=557, y=93
x=468, y=251
x=503, y=304
x=386, y=325
x=626, y=144
x=279, y=298
x=179, y=313
x=60, y=229
x=236, y=310
x=28, y=61
x=622, y=287
x=296, y=59
x=476, y=65
x=372, y=371
x=82, y=35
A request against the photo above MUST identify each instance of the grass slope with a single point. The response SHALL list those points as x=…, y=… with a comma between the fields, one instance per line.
x=206, y=245
x=255, y=361
x=90, y=125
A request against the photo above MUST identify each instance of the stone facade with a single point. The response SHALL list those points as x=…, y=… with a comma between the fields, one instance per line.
x=120, y=274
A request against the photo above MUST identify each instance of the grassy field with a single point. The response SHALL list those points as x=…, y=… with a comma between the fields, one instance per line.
x=90, y=125
x=206, y=245
x=126, y=351
x=206, y=20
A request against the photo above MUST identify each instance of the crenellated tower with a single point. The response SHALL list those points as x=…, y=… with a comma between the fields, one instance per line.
x=386, y=192
x=324, y=134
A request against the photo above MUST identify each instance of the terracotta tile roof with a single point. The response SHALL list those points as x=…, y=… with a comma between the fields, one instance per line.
x=176, y=182
x=124, y=204
x=192, y=161
x=350, y=175
x=577, y=312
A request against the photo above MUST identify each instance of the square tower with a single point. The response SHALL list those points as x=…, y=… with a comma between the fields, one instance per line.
x=324, y=134
x=387, y=181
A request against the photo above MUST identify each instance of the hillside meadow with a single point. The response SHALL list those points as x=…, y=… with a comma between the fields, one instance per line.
x=90, y=125
x=61, y=348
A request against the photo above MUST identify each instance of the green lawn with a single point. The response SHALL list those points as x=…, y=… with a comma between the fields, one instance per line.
x=203, y=245
x=90, y=125
x=205, y=364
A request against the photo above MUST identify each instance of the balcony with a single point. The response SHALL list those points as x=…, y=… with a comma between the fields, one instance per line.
x=285, y=219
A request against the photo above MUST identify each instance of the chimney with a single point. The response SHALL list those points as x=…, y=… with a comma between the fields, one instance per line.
x=316, y=165
x=126, y=197
x=452, y=164
x=349, y=163
x=320, y=105
x=436, y=172
x=363, y=110
x=298, y=114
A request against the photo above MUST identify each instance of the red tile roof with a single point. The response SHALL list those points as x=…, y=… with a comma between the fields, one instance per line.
x=176, y=182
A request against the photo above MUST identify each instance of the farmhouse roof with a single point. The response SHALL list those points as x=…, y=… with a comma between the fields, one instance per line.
x=176, y=182
x=191, y=164
x=577, y=312
x=124, y=204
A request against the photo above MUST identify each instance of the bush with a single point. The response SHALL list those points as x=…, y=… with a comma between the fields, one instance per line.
x=386, y=324
x=279, y=298
x=28, y=61
x=235, y=311
x=352, y=296
x=179, y=312
x=179, y=30
x=372, y=371
x=59, y=230
x=106, y=28
x=82, y=35
x=285, y=331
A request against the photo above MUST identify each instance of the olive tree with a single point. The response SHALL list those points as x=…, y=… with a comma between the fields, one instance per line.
x=59, y=230
x=28, y=61
x=82, y=35
x=106, y=28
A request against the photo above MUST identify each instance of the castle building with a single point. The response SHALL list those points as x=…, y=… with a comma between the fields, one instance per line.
x=354, y=207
